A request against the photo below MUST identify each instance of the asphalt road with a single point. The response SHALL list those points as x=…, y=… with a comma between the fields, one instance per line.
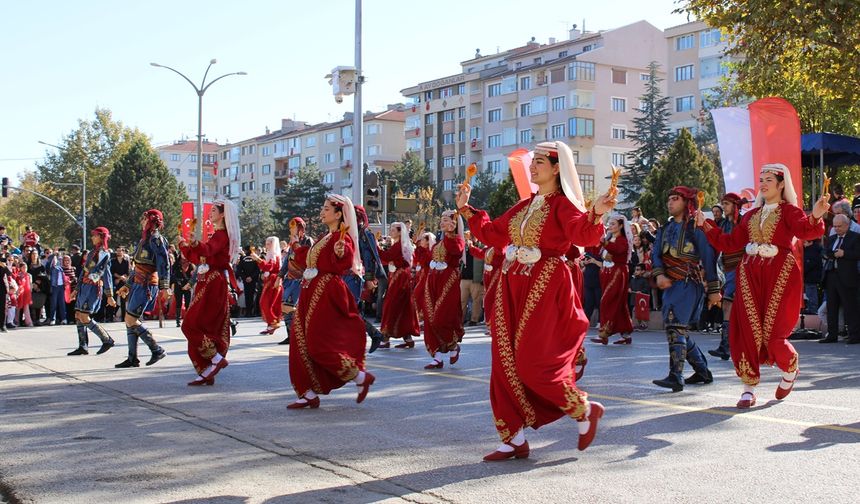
x=76, y=430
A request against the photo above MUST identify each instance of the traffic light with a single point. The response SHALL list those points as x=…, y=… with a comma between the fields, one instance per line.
x=5, y=187
x=390, y=193
x=372, y=200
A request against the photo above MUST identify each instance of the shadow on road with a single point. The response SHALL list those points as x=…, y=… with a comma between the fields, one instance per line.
x=818, y=438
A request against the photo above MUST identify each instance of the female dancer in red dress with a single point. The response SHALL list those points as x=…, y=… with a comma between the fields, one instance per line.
x=327, y=347
x=207, y=319
x=492, y=258
x=615, y=281
x=538, y=321
x=270, y=298
x=443, y=313
x=421, y=260
x=769, y=282
x=572, y=260
x=399, y=319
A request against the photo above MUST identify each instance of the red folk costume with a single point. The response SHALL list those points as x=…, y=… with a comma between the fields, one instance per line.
x=270, y=297
x=614, y=284
x=769, y=285
x=443, y=313
x=573, y=254
x=399, y=319
x=493, y=259
x=421, y=260
x=538, y=321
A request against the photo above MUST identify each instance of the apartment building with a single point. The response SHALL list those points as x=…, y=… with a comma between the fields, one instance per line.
x=696, y=63
x=582, y=91
x=181, y=159
x=263, y=166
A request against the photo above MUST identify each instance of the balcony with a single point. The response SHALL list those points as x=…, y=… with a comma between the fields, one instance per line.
x=282, y=173
x=346, y=164
x=476, y=145
x=346, y=183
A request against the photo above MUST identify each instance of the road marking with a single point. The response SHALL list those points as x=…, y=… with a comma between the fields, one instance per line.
x=642, y=402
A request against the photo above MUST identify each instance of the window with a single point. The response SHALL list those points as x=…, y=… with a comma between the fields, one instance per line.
x=374, y=150
x=494, y=167
x=581, y=70
x=712, y=67
x=252, y=167
x=251, y=185
x=475, y=133
x=539, y=105
x=683, y=73
x=266, y=187
x=619, y=76
x=587, y=183
x=710, y=38
x=192, y=172
x=244, y=150
x=429, y=141
x=373, y=129
x=461, y=89
x=494, y=115
x=225, y=155
x=448, y=162
x=192, y=158
x=619, y=158
x=509, y=136
x=311, y=141
x=413, y=122
x=582, y=99
x=267, y=151
x=509, y=84
x=329, y=138
x=346, y=154
x=685, y=42
x=556, y=75
x=448, y=185
x=558, y=103
x=578, y=126
x=177, y=172
x=525, y=109
x=244, y=186
x=328, y=177
x=252, y=149
x=619, y=132
x=430, y=163
x=346, y=132
x=267, y=169
x=461, y=113
x=494, y=89
x=192, y=188
x=174, y=157
x=328, y=157
x=518, y=65
x=562, y=54
x=537, y=61
x=684, y=103
x=462, y=136
x=644, y=77
x=447, y=138
x=462, y=160
x=494, y=141
x=526, y=136
x=619, y=104
x=310, y=160
x=413, y=144
x=244, y=168
x=428, y=95
x=294, y=162
x=557, y=131
x=446, y=92
x=429, y=119
x=447, y=115
x=525, y=83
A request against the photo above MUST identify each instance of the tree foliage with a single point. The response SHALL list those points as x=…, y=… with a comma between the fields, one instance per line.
x=683, y=165
x=256, y=221
x=411, y=174
x=139, y=180
x=304, y=196
x=503, y=198
x=483, y=186
x=651, y=135
x=806, y=52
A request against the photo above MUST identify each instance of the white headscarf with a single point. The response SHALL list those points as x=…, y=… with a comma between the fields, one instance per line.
x=460, y=232
x=348, y=212
x=405, y=242
x=628, y=233
x=273, y=249
x=567, y=171
x=231, y=224
x=788, y=192
x=431, y=239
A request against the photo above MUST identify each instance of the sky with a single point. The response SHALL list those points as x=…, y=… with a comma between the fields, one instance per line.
x=60, y=60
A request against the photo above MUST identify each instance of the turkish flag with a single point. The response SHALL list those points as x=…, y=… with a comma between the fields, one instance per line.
x=188, y=215
x=642, y=310
x=519, y=161
x=215, y=169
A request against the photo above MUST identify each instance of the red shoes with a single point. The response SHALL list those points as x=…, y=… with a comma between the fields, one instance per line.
x=434, y=365
x=746, y=403
x=602, y=341
x=624, y=340
x=455, y=355
x=201, y=381
x=405, y=344
x=520, y=452
x=269, y=330
x=597, y=410
x=218, y=367
x=309, y=403
x=365, y=386
x=782, y=393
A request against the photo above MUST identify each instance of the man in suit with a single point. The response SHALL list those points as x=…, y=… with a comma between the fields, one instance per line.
x=841, y=280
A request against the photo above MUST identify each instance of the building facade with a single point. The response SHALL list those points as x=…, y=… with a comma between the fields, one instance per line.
x=181, y=159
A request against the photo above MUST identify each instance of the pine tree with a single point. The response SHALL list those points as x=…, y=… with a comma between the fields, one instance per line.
x=682, y=165
x=650, y=133
x=139, y=180
x=304, y=196
x=256, y=221
x=411, y=174
x=505, y=197
x=483, y=187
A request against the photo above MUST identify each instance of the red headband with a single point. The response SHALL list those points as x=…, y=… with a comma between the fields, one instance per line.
x=104, y=233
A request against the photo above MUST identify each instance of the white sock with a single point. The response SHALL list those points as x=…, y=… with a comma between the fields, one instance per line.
x=217, y=358
x=359, y=378
x=750, y=389
x=584, y=425
x=301, y=400
x=310, y=395
x=787, y=380
x=208, y=370
x=519, y=438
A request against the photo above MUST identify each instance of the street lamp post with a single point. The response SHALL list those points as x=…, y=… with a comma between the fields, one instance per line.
x=83, y=186
x=200, y=91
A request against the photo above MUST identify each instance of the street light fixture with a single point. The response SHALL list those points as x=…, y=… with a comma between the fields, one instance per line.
x=200, y=91
x=83, y=195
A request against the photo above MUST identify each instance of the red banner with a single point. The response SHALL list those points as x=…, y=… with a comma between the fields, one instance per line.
x=642, y=310
x=188, y=215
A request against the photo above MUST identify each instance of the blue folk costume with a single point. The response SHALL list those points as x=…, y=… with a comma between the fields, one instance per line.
x=681, y=251
x=96, y=281
x=292, y=271
x=373, y=270
x=729, y=262
x=151, y=273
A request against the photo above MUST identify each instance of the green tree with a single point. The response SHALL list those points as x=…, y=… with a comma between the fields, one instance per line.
x=138, y=181
x=684, y=165
x=256, y=220
x=303, y=197
x=806, y=52
x=503, y=198
x=411, y=174
x=650, y=133
x=93, y=147
x=483, y=186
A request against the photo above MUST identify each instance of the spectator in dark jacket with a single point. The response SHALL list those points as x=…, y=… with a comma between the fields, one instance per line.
x=812, y=273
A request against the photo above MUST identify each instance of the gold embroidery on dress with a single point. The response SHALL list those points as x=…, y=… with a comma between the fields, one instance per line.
x=300, y=328
x=504, y=432
x=763, y=232
x=792, y=364
x=535, y=294
x=776, y=297
x=746, y=373
x=575, y=400
x=348, y=368
x=439, y=251
x=207, y=348
x=750, y=309
x=315, y=251
x=530, y=235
